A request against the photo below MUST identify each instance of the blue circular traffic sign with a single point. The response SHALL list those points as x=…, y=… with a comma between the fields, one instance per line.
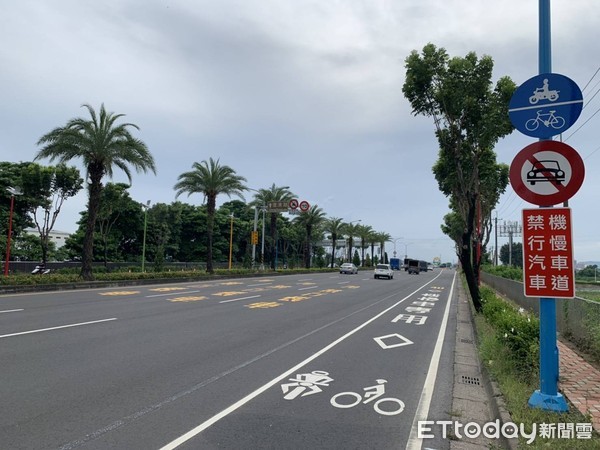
x=545, y=105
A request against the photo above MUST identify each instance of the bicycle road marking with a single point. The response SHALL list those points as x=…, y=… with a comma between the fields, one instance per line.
x=214, y=419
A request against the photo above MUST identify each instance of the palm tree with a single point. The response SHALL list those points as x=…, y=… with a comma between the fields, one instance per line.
x=364, y=233
x=273, y=194
x=310, y=220
x=382, y=238
x=102, y=145
x=334, y=226
x=373, y=241
x=210, y=179
x=351, y=230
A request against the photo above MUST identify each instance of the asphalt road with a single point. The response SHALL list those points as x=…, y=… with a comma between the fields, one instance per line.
x=323, y=361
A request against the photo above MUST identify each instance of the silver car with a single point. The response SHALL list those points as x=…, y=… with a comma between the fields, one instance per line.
x=348, y=268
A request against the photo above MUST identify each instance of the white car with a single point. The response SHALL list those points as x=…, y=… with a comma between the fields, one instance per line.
x=348, y=268
x=384, y=271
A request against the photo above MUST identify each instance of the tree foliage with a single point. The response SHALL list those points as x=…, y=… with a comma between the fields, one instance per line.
x=469, y=117
x=102, y=145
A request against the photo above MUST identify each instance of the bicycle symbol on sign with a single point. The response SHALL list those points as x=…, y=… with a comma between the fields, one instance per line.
x=371, y=393
x=548, y=119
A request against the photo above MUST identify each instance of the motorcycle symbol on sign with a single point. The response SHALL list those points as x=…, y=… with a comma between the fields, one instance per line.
x=543, y=93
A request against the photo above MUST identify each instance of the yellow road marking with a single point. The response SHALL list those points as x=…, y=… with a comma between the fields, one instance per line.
x=230, y=283
x=293, y=298
x=263, y=305
x=188, y=299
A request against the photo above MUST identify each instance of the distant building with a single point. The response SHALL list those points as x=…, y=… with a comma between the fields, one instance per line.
x=56, y=236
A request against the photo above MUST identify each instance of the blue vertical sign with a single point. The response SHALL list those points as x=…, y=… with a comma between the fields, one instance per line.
x=545, y=105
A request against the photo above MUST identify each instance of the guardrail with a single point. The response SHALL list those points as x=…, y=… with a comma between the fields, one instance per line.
x=577, y=319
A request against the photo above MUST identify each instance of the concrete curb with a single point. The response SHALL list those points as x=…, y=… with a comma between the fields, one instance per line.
x=482, y=402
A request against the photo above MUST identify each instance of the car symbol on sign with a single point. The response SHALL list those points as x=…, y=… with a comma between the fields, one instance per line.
x=546, y=170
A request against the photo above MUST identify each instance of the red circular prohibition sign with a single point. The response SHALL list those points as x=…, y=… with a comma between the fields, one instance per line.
x=528, y=155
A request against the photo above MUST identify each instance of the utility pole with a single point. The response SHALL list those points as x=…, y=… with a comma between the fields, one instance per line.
x=510, y=229
x=496, y=240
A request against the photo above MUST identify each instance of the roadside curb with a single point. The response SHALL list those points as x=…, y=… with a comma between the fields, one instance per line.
x=480, y=401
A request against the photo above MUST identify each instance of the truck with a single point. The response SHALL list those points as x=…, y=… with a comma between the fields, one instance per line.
x=413, y=266
x=395, y=263
x=423, y=266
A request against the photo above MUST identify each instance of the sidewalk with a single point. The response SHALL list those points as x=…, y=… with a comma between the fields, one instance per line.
x=579, y=381
x=475, y=397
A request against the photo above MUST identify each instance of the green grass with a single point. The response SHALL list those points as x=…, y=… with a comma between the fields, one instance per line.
x=589, y=295
x=517, y=387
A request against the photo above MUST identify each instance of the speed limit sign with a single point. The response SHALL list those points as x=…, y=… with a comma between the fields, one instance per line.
x=304, y=206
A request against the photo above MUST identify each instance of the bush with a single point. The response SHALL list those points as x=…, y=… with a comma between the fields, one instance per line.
x=512, y=273
x=519, y=332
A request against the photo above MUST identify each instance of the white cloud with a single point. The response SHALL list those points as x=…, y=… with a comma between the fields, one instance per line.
x=299, y=93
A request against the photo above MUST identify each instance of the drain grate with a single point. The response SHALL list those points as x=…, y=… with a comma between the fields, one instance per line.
x=466, y=341
x=475, y=381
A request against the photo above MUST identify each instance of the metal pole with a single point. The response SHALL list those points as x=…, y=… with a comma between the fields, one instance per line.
x=262, y=247
x=231, y=242
x=253, y=244
x=547, y=397
x=12, y=205
x=146, y=206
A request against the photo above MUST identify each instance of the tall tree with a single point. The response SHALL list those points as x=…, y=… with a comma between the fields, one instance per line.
x=333, y=226
x=364, y=233
x=469, y=117
x=51, y=186
x=351, y=230
x=381, y=238
x=210, y=178
x=102, y=144
x=310, y=220
x=273, y=194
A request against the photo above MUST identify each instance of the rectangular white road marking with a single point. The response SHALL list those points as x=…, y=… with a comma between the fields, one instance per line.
x=261, y=284
x=203, y=426
x=56, y=328
x=11, y=310
x=238, y=299
x=414, y=442
x=310, y=287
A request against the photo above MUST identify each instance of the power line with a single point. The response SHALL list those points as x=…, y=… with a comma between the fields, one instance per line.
x=593, y=76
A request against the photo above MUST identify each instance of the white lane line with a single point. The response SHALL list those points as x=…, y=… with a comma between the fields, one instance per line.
x=260, y=284
x=203, y=426
x=414, y=442
x=305, y=279
x=11, y=310
x=310, y=287
x=56, y=328
x=343, y=282
x=238, y=299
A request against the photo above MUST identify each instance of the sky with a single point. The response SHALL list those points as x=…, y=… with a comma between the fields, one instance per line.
x=300, y=93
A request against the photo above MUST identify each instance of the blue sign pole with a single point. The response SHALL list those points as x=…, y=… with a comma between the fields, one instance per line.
x=547, y=397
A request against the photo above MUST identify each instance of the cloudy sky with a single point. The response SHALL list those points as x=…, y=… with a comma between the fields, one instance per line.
x=300, y=93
